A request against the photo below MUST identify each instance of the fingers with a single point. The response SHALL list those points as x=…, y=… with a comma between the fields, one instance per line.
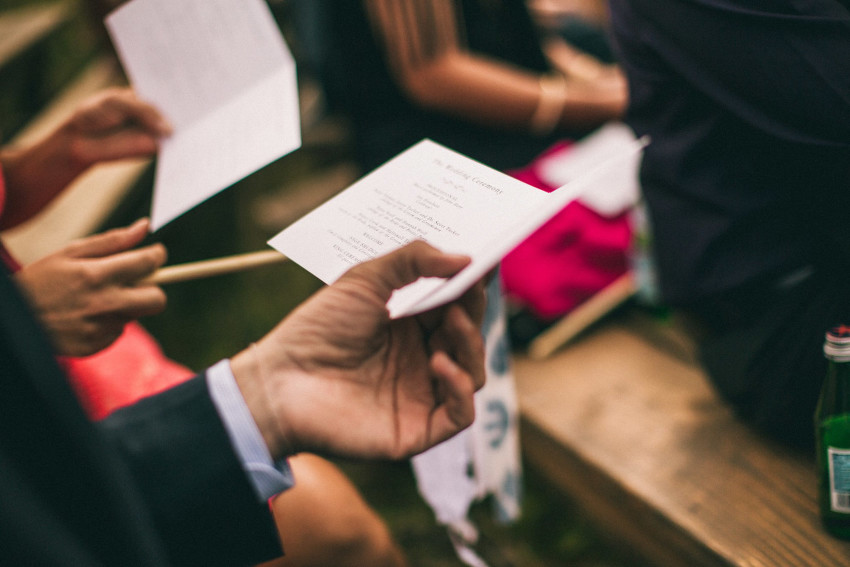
x=474, y=302
x=115, y=125
x=458, y=374
x=461, y=339
x=119, y=264
x=457, y=366
x=90, y=337
x=136, y=302
x=110, y=242
x=457, y=408
x=142, y=113
x=117, y=107
x=113, y=262
x=132, y=266
x=118, y=305
x=127, y=143
x=406, y=265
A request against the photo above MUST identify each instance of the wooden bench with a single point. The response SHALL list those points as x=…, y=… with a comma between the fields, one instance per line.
x=624, y=422
x=43, y=45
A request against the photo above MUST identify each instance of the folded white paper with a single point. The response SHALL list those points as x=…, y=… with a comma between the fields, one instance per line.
x=221, y=73
x=621, y=189
x=431, y=193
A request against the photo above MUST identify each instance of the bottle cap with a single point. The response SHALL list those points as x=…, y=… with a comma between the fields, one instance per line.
x=837, y=345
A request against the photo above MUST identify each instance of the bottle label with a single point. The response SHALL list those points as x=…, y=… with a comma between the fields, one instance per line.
x=839, y=479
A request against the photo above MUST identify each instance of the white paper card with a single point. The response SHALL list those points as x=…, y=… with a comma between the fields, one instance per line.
x=430, y=193
x=621, y=189
x=221, y=73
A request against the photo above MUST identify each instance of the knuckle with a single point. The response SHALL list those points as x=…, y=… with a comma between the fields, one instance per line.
x=79, y=152
x=157, y=254
x=89, y=276
x=90, y=332
x=158, y=301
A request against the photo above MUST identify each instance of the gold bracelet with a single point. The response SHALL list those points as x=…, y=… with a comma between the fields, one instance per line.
x=550, y=104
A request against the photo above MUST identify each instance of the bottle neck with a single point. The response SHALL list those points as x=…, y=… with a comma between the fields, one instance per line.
x=835, y=396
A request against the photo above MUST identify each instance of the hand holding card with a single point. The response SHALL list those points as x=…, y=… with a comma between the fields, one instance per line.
x=434, y=194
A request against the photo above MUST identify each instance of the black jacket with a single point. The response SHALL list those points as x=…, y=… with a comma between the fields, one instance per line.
x=157, y=483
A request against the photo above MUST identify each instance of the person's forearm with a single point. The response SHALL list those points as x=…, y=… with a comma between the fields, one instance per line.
x=488, y=92
x=476, y=89
x=35, y=175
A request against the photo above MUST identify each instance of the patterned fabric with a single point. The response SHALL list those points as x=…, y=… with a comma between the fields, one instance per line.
x=484, y=459
x=129, y=369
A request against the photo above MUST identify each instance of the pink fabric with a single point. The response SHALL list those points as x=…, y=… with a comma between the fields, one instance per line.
x=131, y=368
x=570, y=258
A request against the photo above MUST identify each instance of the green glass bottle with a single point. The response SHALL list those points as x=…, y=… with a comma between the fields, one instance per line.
x=832, y=429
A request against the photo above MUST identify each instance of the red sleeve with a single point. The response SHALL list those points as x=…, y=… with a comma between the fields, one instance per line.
x=5, y=257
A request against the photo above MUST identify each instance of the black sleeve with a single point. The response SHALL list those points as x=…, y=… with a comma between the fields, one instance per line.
x=202, y=502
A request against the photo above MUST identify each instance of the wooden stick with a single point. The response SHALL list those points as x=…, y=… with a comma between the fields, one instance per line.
x=582, y=317
x=218, y=266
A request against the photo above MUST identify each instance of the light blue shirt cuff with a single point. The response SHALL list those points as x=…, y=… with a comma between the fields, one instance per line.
x=268, y=478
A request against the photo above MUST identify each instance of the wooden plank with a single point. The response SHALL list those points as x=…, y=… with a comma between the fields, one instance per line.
x=35, y=60
x=22, y=28
x=81, y=208
x=637, y=437
x=583, y=316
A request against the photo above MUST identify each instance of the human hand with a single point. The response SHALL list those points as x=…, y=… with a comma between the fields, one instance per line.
x=111, y=125
x=339, y=377
x=580, y=66
x=114, y=124
x=85, y=293
x=596, y=91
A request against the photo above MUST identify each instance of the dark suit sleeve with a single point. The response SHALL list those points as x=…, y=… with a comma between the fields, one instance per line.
x=202, y=502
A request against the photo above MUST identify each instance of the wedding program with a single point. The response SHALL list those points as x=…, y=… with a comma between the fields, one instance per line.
x=429, y=193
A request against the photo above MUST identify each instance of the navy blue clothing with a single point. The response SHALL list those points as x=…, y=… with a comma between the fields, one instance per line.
x=747, y=180
x=748, y=107
x=157, y=483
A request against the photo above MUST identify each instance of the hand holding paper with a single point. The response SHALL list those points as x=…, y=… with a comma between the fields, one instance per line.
x=221, y=73
x=433, y=194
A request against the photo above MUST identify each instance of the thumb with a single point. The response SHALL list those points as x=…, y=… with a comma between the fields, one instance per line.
x=405, y=265
x=110, y=242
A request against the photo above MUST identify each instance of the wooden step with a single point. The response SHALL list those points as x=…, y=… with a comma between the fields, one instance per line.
x=42, y=47
x=636, y=436
x=23, y=28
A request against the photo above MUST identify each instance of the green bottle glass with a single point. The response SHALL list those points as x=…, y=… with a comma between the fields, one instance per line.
x=832, y=430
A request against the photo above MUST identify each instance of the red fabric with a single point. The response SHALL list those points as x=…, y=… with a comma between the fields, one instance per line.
x=567, y=260
x=5, y=257
x=132, y=367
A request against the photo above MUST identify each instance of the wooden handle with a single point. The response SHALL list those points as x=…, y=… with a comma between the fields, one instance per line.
x=218, y=266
